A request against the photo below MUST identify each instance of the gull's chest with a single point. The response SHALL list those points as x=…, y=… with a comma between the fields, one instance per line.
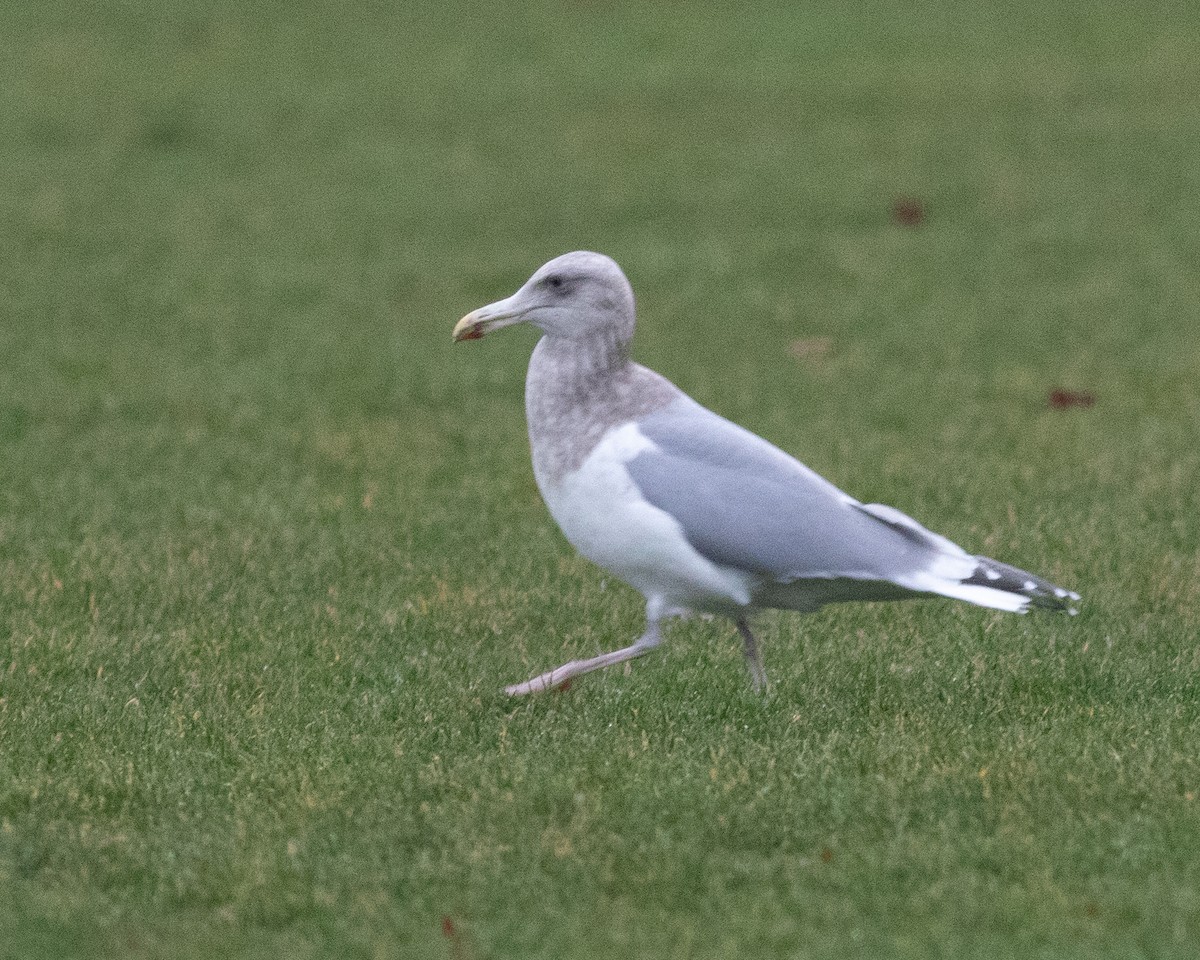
x=597, y=504
x=605, y=517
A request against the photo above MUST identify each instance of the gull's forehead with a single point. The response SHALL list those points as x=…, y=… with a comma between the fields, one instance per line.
x=582, y=263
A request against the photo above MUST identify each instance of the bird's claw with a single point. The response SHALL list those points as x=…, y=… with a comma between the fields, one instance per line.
x=559, y=679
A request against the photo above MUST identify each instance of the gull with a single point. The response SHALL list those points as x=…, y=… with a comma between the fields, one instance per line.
x=696, y=513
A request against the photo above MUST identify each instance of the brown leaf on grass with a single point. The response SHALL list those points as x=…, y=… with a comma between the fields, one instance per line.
x=458, y=949
x=908, y=212
x=1060, y=399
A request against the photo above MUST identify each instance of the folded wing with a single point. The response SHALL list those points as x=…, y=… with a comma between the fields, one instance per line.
x=743, y=503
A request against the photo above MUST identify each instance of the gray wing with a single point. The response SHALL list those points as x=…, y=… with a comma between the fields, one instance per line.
x=744, y=503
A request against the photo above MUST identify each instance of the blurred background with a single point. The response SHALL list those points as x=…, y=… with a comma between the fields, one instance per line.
x=238, y=233
x=946, y=254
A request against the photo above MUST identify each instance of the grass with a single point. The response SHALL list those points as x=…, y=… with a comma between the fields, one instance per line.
x=270, y=546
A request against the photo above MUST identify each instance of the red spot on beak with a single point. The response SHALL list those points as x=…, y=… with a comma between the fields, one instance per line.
x=475, y=333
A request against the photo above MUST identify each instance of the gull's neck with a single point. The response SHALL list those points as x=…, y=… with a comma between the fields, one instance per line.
x=578, y=369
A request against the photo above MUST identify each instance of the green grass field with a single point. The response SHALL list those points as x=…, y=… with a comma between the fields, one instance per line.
x=270, y=545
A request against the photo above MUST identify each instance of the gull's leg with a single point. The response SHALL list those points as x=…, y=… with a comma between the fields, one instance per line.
x=557, y=678
x=758, y=676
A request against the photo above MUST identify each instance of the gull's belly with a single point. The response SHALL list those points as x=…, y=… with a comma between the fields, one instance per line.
x=605, y=518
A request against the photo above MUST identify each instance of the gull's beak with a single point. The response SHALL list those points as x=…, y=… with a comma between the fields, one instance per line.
x=495, y=316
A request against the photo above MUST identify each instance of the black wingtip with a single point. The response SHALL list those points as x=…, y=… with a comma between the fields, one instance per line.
x=1042, y=594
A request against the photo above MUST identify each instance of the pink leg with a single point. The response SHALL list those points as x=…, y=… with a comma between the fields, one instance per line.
x=555, y=679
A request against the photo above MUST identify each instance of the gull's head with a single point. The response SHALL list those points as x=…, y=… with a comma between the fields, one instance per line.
x=576, y=296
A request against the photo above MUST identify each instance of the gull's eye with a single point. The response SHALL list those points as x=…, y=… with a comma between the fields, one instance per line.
x=554, y=282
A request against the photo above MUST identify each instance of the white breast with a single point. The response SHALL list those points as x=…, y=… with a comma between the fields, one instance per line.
x=605, y=517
